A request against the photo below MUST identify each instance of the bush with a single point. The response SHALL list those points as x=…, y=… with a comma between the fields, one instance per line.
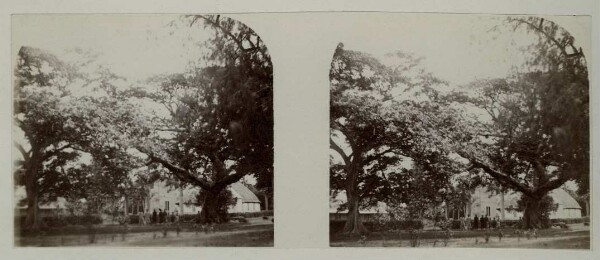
x=61, y=221
x=252, y=214
x=193, y=218
x=134, y=219
x=511, y=223
x=337, y=225
x=188, y=218
x=239, y=219
x=449, y=224
x=571, y=220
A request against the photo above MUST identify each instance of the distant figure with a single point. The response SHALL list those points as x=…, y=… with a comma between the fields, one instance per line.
x=154, y=217
x=161, y=216
x=147, y=217
x=141, y=219
x=499, y=223
x=486, y=222
x=476, y=222
x=483, y=222
x=176, y=216
x=469, y=223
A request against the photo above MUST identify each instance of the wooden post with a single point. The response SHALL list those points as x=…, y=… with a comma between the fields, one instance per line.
x=125, y=205
x=266, y=202
x=181, y=198
x=446, y=209
x=502, y=205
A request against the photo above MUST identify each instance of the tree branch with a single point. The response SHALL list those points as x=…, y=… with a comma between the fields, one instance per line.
x=26, y=154
x=55, y=151
x=232, y=178
x=377, y=156
x=340, y=151
x=228, y=33
x=499, y=176
x=540, y=29
x=555, y=183
x=179, y=172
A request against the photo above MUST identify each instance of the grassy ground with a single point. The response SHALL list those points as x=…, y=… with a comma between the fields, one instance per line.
x=256, y=233
x=576, y=237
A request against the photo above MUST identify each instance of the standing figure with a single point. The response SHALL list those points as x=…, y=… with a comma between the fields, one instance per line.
x=469, y=223
x=476, y=222
x=147, y=216
x=483, y=221
x=141, y=218
x=154, y=217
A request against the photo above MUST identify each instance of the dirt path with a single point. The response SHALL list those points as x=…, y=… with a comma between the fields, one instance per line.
x=571, y=239
x=259, y=236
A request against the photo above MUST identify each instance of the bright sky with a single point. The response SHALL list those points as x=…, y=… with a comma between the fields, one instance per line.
x=134, y=46
x=457, y=48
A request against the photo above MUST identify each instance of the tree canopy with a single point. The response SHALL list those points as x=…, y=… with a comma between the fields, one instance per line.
x=207, y=126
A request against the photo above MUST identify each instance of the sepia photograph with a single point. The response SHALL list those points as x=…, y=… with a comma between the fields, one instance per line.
x=461, y=130
x=141, y=131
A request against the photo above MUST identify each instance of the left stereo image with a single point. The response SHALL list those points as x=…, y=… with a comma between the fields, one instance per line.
x=141, y=130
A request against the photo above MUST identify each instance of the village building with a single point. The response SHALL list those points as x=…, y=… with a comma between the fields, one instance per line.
x=504, y=205
x=160, y=196
x=484, y=202
x=183, y=200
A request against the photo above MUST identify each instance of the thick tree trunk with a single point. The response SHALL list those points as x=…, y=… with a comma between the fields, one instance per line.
x=32, y=219
x=210, y=206
x=266, y=202
x=532, y=216
x=353, y=224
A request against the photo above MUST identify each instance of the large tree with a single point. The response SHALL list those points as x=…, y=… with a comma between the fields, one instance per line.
x=378, y=119
x=63, y=113
x=535, y=136
x=218, y=122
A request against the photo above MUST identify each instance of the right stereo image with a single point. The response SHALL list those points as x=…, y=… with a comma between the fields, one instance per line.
x=461, y=130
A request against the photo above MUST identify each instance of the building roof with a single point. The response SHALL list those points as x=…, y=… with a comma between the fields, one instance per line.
x=341, y=198
x=245, y=194
x=559, y=196
x=564, y=199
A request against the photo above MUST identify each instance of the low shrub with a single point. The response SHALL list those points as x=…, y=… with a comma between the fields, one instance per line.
x=337, y=225
x=252, y=214
x=194, y=218
x=134, y=219
x=571, y=220
x=61, y=221
x=188, y=218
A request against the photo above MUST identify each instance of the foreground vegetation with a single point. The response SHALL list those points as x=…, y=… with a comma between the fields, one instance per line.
x=254, y=232
x=576, y=236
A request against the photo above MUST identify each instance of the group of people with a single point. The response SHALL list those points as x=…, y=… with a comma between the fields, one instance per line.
x=158, y=217
x=483, y=222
